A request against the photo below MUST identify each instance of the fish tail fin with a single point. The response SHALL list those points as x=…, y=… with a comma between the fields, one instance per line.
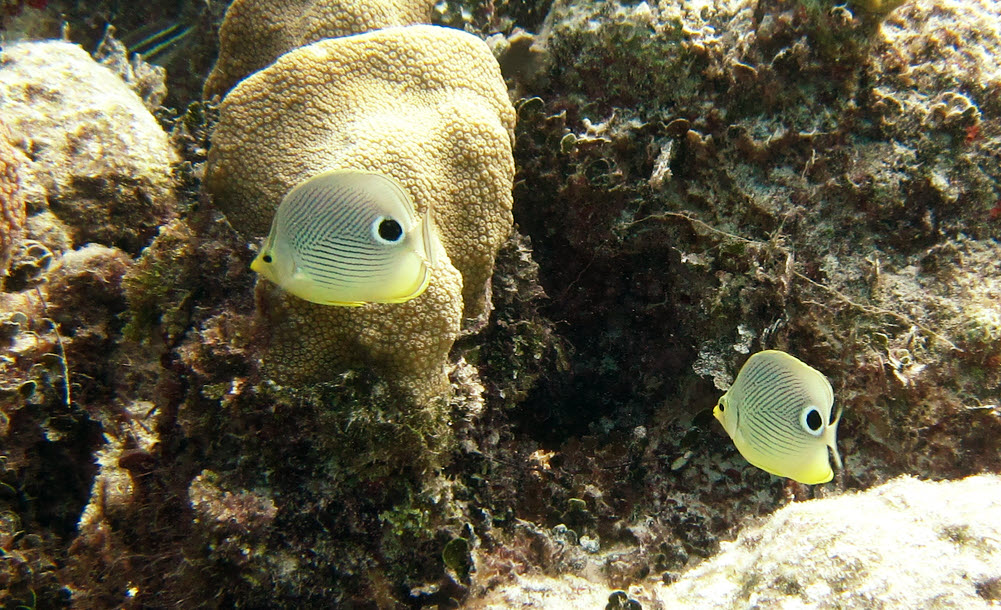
x=832, y=436
x=433, y=248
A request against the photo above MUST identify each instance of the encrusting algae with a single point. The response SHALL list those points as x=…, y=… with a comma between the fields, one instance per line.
x=47, y=89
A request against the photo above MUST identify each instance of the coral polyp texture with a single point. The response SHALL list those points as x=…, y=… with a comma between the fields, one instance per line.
x=255, y=33
x=424, y=105
x=11, y=199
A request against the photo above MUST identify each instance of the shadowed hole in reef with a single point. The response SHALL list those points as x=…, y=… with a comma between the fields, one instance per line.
x=620, y=299
x=55, y=489
x=630, y=349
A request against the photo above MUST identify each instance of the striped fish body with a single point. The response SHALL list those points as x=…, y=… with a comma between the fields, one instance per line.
x=779, y=414
x=348, y=238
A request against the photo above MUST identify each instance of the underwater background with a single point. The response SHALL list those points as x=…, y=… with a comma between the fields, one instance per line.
x=693, y=182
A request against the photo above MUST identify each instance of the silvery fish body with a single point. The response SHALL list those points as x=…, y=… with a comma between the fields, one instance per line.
x=348, y=237
x=779, y=413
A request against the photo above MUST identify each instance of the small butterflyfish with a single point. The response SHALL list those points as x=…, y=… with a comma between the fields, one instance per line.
x=347, y=237
x=160, y=42
x=779, y=413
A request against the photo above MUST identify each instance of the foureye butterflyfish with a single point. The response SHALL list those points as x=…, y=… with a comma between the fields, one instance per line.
x=779, y=413
x=349, y=237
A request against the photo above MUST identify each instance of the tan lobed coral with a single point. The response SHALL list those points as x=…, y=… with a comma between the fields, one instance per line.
x=11, y=199
x=423, y=104
x=255, y=33
x=406, y=343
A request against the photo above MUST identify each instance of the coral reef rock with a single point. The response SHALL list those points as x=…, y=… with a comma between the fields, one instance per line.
x=539, y=591
x=11, y=199
x=100, y=161
x=905, y=544
x=442, y=126
x=255, y=33
x=749, y=175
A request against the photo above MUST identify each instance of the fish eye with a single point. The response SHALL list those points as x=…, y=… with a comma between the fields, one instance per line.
x=266, y=258
x=387, y=230
x=811, y=421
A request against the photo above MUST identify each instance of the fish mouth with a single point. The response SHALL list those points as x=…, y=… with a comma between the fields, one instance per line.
x=257, y=265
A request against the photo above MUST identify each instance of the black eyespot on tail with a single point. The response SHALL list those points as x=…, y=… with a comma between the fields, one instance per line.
x=813, y=420
x=390, y=230
x=266, y=258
